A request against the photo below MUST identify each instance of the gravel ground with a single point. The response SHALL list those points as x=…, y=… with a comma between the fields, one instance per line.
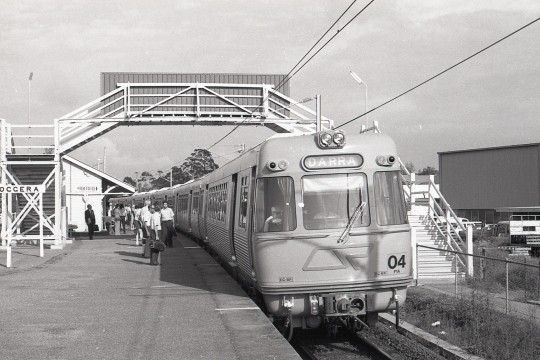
x=344, y=346
x=399, y=346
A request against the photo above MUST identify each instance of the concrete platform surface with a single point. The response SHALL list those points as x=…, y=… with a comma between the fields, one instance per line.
x=99, y=299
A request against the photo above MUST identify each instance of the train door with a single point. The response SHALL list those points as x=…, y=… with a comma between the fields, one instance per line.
x=242, y=222
x=232, y=217
x=251, y=218
x=205, y=214
x=189, y=210
x=200, y=215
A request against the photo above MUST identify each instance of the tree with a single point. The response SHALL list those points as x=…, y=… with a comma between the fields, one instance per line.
x=410, y=167
x=430, y=170
x=160, y=183
x=145, y=182
x=130, y=181
x=198, y=164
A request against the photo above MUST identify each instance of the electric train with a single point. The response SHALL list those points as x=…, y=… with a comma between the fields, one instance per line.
x=316, y=224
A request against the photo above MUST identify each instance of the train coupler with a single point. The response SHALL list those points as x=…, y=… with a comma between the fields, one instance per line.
x=344, y=304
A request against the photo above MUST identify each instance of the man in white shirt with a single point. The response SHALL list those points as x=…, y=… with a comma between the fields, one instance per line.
x=167, y=224
x=146, y=215
x=155, y=229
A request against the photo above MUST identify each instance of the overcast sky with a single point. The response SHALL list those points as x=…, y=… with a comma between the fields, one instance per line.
x=491, y=100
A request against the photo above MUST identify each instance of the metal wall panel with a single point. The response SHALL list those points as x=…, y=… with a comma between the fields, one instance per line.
x=491, y=178
x=109, y=80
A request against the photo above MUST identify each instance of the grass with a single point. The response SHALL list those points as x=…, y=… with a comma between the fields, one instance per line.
x=490, y=275
x=472, y=324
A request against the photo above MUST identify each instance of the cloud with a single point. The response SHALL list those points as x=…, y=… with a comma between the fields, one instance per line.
x=393, y=46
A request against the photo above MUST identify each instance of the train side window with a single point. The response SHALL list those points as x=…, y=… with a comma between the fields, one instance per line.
x=275, y=205
x=389, y=198
x=242, y=218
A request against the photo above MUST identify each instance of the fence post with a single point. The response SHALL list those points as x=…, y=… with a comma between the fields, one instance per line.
x=414, y=255
x=455, y=274
x=506, y=262
x=483, y=264
x=538, y=282
x=470, y=259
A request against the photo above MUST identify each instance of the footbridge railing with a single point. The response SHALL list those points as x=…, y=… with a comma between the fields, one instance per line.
x=189, y=103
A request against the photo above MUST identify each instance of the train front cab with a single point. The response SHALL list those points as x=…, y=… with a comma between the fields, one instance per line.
x=310, y=266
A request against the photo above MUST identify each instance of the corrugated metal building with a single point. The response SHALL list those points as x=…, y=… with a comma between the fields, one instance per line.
x=109, y=80
x=476, y=182
x=248, y=97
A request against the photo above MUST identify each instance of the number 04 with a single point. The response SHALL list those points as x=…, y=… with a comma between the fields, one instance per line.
x=393, y=262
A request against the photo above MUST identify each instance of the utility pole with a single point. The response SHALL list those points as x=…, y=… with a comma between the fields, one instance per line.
x=104, y=158
x=170, y=179
x=318, y=112
x=137, y=180
x=29, y=88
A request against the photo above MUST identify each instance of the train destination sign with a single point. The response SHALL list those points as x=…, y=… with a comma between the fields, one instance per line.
x=18, y=189
x=342, y=161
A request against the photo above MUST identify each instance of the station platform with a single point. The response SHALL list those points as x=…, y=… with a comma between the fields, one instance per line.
x=99, y=299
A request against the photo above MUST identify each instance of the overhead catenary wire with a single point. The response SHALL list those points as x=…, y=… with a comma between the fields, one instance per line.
x=439, y=74
x=287, y=78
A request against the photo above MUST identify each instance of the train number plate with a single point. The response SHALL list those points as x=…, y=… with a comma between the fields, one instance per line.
x=396, y=265
x=286, y=279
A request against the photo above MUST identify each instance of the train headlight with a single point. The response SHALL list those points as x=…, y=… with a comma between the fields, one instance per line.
x=330, y=139
x=325, y=139
x=339, y=138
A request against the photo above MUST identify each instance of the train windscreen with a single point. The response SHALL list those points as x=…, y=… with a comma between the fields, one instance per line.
x=329, y=200
x=275, y=204
x=389, y=198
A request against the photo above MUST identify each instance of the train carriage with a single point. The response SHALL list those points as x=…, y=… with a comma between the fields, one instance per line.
x=315, y=223
x=316, y=264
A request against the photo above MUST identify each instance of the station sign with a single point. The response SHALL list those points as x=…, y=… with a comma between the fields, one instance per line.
x=87, y=189
x=21, y=189
x=342, y=161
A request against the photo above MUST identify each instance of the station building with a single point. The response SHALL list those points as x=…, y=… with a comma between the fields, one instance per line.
x=490, y=184
x=83, y=185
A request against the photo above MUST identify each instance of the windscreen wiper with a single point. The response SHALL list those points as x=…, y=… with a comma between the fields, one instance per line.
x=356, y=214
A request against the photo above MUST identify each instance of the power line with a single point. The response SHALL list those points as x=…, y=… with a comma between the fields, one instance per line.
x=332, y=38
x=287, y=78
x=439, y=74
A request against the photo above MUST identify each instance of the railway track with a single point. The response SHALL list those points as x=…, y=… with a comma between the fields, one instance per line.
x=380, y=342
x=344, y=346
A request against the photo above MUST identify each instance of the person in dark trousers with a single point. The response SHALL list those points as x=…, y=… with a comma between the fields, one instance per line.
x=155, y=231
x=90, y=221
x=167, y=224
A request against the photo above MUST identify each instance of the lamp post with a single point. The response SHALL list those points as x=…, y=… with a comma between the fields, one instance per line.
x=29, y=88
x=358, y=80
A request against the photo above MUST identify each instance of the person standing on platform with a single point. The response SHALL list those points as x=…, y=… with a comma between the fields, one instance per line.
x=123, y=215
x=116, y=215
x=90, y=219
x=129, y=216
x=167, y=224
x=137, y=224
x=155, y=232
x=146, y=216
